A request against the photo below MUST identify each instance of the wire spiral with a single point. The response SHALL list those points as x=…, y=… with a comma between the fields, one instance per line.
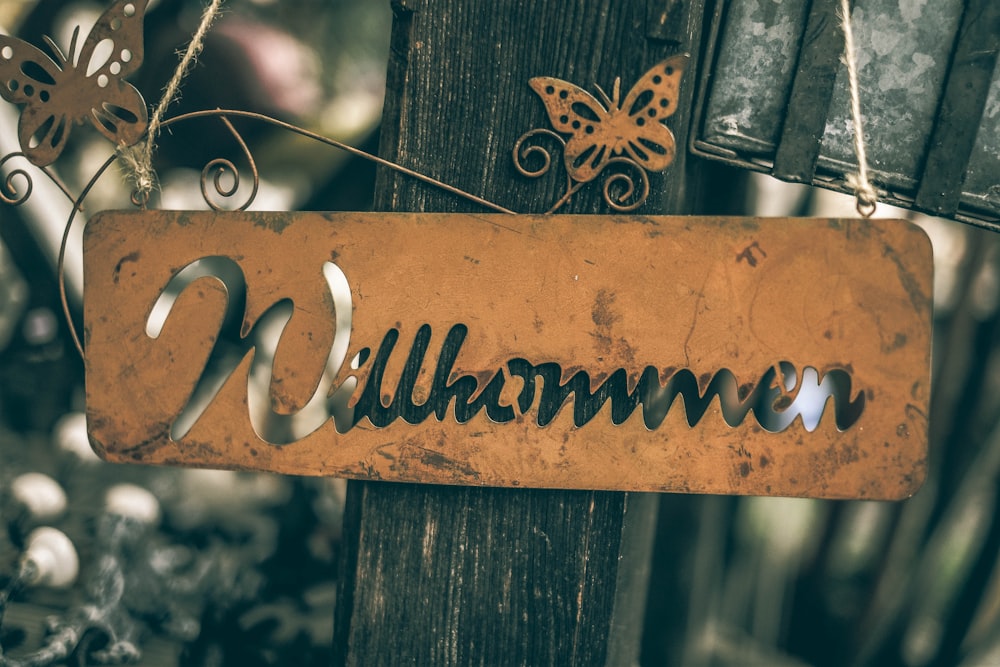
x=217, y=170
x=8, y=188
x=9, y=192
x=616, y=173
x=623, y=179
x=524, y=153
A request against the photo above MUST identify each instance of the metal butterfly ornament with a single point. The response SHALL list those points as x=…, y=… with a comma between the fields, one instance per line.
x=56, y=94
x=602, y=130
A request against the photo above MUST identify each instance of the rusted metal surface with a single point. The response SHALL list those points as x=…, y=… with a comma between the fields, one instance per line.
x=766, y=78
x=90, y=85
x=531, y=351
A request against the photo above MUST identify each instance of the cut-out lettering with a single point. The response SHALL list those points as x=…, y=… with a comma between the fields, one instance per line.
x=262, y=339
x=462, y=398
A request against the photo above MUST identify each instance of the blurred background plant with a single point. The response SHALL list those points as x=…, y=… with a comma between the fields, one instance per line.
x=783, y=581
x=230, y=568
x=240, y=569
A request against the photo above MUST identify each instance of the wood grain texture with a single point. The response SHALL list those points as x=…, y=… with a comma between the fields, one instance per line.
x=451, y=575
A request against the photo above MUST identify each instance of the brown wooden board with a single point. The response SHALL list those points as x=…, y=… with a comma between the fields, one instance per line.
x=498, y=312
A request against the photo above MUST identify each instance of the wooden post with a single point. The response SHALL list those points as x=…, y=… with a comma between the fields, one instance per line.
x=437, y=575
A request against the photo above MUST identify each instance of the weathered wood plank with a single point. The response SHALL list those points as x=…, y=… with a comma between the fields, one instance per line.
x=447, y=576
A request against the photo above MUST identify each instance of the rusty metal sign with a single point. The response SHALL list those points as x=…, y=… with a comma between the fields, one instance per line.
x=710, y=355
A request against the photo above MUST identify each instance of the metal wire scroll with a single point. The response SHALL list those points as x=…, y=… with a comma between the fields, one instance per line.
x=625, y=184
x=220, y=182
x=620, y=190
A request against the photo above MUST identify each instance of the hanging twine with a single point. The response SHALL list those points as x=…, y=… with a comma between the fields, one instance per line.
x=864, y=191
x=139, y=160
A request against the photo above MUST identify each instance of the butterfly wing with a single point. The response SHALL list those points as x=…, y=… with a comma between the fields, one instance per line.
x=121, y=114
x=576, y=112
x=93, y=86
x=42, y=134
x=639, y=123
x=112, y=51
x=121, y=26
x=31, y=78
x=26, y=73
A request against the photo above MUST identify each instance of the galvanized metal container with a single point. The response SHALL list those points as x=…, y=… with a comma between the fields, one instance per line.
x=773, y=97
